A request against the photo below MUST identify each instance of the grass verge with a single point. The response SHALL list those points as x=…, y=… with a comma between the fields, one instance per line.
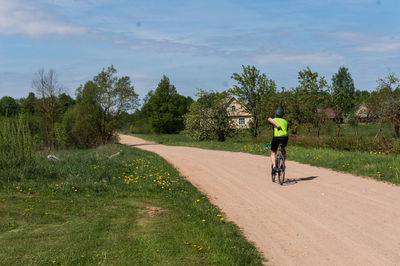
x=374, y=164
x=132, y=209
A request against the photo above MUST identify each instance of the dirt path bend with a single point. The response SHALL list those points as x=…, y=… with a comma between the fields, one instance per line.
x=322, y=217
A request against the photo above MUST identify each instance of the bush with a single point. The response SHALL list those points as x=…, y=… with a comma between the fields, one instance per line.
x=81, y=126
x=141, y=126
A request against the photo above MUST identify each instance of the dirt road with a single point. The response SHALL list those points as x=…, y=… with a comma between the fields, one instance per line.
x=320, y=218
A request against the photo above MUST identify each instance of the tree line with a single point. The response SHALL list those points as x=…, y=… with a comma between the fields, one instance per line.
x=109, y=102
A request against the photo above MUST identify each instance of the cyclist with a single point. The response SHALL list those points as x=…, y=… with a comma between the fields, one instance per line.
x=280, y=136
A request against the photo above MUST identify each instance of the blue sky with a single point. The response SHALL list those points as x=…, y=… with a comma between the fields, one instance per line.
x=197, y=44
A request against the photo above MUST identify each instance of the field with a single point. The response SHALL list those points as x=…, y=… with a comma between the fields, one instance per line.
x=372, y=163
x=131, y=209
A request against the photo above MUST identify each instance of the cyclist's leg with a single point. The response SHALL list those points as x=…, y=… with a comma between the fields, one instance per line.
x=273, y=159
x=274, y=148
x=284, y=142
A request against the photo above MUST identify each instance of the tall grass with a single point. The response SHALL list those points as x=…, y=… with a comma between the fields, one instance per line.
x=17, y=148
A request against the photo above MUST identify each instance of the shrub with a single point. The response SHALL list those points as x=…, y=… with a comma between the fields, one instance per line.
x=141, y=126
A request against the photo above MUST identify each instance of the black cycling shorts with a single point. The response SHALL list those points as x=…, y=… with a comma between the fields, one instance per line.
x=278, y=140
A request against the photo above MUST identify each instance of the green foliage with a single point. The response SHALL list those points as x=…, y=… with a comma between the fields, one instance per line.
x=388, y=92
x=165, y=108
x=64, y=101
x=17, y=147
x=141, y=126
x=342, y=94
x=82, y=122
x=28, y=105
x=208, y=117
x=8, y=106
x=100, y=105
x=304, y=102
x=254, y=91
x=114, y=95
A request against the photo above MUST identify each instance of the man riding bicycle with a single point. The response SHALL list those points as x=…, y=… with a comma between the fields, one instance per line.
x=280, y=136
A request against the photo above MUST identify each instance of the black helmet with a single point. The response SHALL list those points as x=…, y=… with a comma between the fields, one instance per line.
x=279, y=112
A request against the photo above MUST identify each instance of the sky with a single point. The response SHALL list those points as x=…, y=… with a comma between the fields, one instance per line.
x=196, y=44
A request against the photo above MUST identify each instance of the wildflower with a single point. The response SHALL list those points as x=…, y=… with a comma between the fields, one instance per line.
x=204, y=220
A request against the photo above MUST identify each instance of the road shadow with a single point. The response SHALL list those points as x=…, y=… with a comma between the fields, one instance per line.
x=292, y=181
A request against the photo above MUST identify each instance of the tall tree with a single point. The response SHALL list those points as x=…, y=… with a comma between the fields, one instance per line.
x=252, y=89
x=115, y=95
x=48, y=89
x=306, y=100
x=342, y=95
x=166, y=108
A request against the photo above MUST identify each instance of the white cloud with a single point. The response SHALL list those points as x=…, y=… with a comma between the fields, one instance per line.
x=317, y=58
x=382, y=45
x=366, y=42
x=33, y=19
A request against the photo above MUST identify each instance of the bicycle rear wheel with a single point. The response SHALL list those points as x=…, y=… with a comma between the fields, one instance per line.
x=273, y=174
x=281, y=170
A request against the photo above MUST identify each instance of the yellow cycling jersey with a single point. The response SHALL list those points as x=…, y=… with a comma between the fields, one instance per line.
x=284, y=125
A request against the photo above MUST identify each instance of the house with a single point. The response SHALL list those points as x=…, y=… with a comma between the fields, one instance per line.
x=238, y=113
x=328, y=112
x=365, y=115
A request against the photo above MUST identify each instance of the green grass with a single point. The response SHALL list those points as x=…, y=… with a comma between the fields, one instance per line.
x=133, y=209
x=374, y=164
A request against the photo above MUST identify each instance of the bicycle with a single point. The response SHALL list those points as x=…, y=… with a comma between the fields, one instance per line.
x=280, y=165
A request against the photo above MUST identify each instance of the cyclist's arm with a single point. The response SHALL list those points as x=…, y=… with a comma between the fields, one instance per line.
x=273, y=122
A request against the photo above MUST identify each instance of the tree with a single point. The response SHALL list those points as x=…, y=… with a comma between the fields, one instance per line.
x=389, y=94
x=342, y=95
x=8, y=106
x=252, y=90
x=115, y=95
x=139, y=120
x=208, y=117
x=166, y=108
x=83, y=121
x=28, y=105
x=64, y=101
x=100, y=104
x=47, y=88
x=304, y=103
